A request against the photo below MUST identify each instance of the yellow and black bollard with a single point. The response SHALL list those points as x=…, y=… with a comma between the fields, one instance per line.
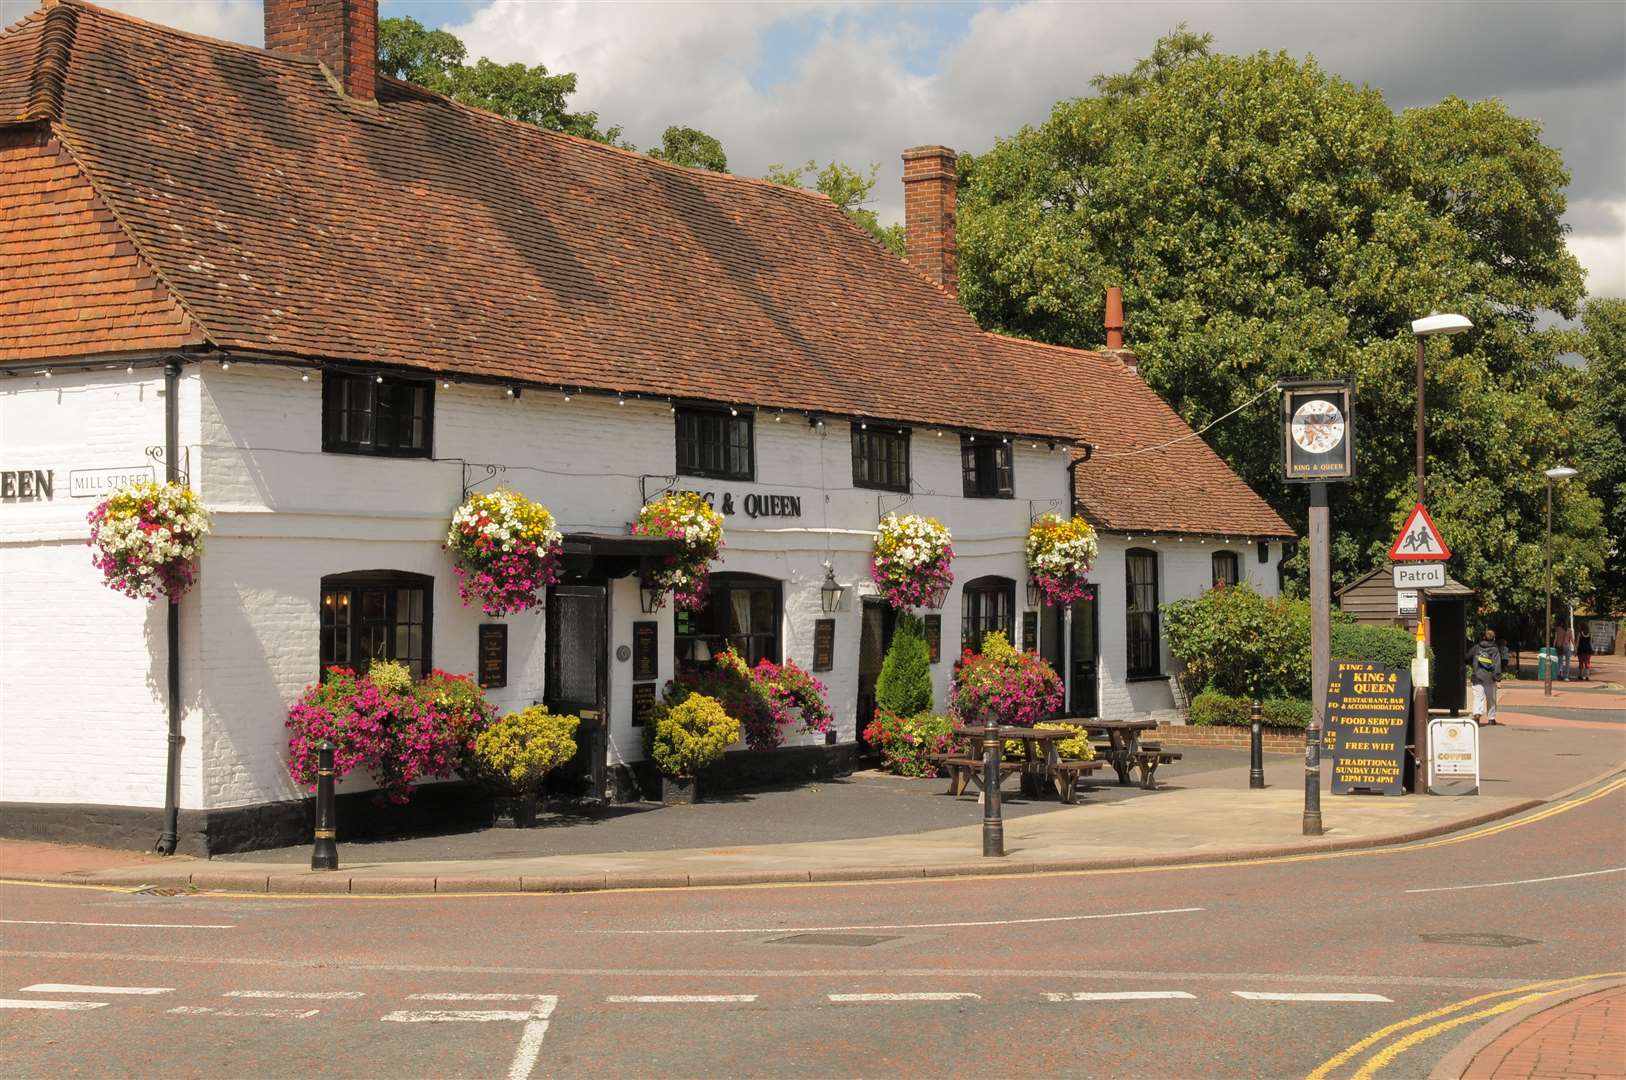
x=993, y=827
x=325, y=853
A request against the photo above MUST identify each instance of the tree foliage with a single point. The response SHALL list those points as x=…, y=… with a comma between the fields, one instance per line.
x=1267, y=219
x=692, y=147
x=1602, y=456
x=437, y=60
x=904, y=686
x=847, y=188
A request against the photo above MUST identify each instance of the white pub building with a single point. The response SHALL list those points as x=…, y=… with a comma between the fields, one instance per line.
x=336, y=303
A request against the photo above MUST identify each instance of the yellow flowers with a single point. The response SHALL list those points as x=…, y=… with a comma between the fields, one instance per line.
x=521, y=748
x=691, y=735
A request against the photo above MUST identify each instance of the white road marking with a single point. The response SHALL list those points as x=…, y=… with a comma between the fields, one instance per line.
x=926, y=996
x=274, y=1014
x=1122, y=995
x=452, y=1016
x=15, y=1003
x=530, y=1040
x=1522, y=881
x=472, y=997
x=126, y=925
x=678, y=999
x=308, y=995
x=75, y=988
x=1254, y=995
x=917, y=926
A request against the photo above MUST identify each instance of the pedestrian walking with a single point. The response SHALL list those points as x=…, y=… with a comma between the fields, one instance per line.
x=1583, y=653
x=1563, y=643
x=1485, y=668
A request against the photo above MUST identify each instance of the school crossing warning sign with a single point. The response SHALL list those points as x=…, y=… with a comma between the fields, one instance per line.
x=1368, y=710
x=1419, y=540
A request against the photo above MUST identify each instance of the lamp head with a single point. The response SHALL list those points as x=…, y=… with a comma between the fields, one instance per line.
x=1437, y=324
x=1561, y=472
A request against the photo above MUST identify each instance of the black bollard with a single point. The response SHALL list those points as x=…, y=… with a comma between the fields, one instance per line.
x=325, y=853
x=1256, y=748
x=993, y=827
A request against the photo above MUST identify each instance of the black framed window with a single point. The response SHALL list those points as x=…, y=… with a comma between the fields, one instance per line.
x=1141, y=631
x=880, y=458
x=1227, y=568
x=715, y=443
x=372, y=414
x=985, y=462
x=743, y=611
x=376, y=615
x=989, y=604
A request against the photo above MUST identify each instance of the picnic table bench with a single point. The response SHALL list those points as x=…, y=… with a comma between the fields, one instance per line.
x=1123, y=747
x=1042, y=762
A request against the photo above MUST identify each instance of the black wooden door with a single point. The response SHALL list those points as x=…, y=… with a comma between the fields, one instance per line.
x=1084, y=687
x=577, y=662
x=874, y=638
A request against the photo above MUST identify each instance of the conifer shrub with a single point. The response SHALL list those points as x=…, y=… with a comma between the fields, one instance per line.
x=904, y=687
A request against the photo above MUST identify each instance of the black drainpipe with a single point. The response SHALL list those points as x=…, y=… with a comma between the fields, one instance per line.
x=172, y=777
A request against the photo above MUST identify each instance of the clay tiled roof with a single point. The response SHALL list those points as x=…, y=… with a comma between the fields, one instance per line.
x=290, y=219
x=1180, y=487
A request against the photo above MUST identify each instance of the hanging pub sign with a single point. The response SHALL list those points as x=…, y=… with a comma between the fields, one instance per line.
x=493, y=651
x=1368, y=712
x=1318, y=430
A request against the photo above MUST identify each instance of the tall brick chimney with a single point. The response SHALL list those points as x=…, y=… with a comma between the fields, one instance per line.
x=1115, y=329
x=928, y=213
x=343, y=34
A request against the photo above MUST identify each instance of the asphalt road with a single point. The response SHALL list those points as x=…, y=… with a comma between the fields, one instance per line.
x=991, y=976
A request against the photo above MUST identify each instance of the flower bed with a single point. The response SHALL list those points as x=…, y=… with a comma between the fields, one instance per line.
x=911, y=559
x=145, y=538
x=1003, y=686
x=1060, y=553
x=506, y=551
x=683, y=516
x=906, y=743
x=767, y=700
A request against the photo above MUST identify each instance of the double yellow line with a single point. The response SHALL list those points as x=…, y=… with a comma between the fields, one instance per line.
x=1384, y=1045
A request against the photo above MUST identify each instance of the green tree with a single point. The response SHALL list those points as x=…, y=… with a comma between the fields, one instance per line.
x=904, y=686
x=847, y=188
x=437, y=60
x=692, y=147
x=1602, y=449
x=1267, y=219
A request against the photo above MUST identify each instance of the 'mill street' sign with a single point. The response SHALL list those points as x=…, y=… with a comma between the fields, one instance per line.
x=1368, y=708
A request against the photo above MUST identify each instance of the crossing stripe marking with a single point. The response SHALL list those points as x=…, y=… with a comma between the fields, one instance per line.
x=307, y=995
x=473, y=997
x=923, y=996
x=16, y=1003
x=1254, y=995
x=678, y=999
x=76, y=988
x=274, y=1014
x=1122, y=995
x=126, y=925
x=451, y=1016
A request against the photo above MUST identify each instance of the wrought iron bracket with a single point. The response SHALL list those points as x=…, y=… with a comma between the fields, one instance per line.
x=183, y=468
x=668, y=481
x=881, y=509
x=472, y=478
x=1037, y=509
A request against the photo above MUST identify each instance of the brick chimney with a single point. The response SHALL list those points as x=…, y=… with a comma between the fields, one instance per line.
x=343, y=34
x=1115, y=329
x=928, y=213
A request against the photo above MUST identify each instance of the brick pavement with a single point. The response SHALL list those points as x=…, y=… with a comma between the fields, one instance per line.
x=1581, y=1038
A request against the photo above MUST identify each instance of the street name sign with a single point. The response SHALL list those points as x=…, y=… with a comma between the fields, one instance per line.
x=1453, y=751
x=1422, y=575
x=1419, y=540
x=1368, y=710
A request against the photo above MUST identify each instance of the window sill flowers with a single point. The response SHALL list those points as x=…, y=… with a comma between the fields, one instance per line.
x=146, y=537
x=686, y=517
x=911, y=559
x=506, y=551
x=1060, y=554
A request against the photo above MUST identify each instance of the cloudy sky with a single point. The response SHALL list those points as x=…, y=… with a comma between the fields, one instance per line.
x=790, y=81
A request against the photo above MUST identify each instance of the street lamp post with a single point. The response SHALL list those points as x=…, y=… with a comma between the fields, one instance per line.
x=1561, y=472
x=1434, y=325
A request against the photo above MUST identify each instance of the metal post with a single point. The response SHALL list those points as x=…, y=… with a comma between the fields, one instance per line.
x=1256, y=765
x=325, y=852
x=1320, y=653
x=1547, y=639
x=993, y=827
x=1419, y=694
x=169, y=836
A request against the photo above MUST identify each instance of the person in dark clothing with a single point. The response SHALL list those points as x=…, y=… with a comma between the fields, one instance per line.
x=1583, y=652
x=1485, y=668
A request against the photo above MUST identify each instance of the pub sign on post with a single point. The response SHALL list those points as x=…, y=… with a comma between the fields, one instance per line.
x=1318, y=430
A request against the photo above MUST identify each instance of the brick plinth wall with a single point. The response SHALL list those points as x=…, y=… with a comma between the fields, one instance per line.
x=1274, y=740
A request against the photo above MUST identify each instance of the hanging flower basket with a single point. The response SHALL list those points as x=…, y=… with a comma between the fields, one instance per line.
x=146, y=537
x=683, y=516
x=1060, y=554
x=506, y=551
x=911, y=560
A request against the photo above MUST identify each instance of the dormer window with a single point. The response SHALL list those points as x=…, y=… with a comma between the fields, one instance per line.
x=377, y=414
x=985, y=462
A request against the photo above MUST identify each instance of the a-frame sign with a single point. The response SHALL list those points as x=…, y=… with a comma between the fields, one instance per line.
x=1419, y=540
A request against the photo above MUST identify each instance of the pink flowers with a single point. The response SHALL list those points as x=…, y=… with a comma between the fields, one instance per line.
x=146, y=539
x=1002, y=686
x=686, y=517
x=506, y=551
x=911, y=560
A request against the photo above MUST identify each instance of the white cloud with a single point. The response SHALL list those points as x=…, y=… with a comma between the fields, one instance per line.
x=234, y=20
x=1603, y=252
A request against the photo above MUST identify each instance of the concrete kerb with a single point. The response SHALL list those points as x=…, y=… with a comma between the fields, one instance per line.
x=1459, y=1058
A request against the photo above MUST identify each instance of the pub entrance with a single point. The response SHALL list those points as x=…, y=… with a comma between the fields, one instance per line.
x=879, y=620
x=577, y=658
x=1083, y=690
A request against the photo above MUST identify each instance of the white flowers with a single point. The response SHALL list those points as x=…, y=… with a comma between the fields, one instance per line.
x=146, y=539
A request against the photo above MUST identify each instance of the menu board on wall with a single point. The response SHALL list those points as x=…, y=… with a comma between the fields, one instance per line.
x=824, y=644
x=1030, y=631
x=1368, y=712
x=643, y=702
x=493, y=655
x=934, y=637
x=645, y=645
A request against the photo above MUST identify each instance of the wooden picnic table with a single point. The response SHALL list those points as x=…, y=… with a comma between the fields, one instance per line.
x=1124, y=750
x=1041, y=764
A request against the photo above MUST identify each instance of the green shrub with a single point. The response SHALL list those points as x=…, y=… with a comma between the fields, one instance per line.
x=686, y=737
x=904, y=687
x=1386, y=645
x=1233, y=640
x=1213, y=708
x=518, y=750
x=1287, y=712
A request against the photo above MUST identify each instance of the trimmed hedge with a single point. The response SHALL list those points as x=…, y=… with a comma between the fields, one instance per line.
x=1214, y=709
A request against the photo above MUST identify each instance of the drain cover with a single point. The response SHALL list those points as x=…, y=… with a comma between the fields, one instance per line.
x=1490, y=941
x=853, y=941
x=161, y=890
